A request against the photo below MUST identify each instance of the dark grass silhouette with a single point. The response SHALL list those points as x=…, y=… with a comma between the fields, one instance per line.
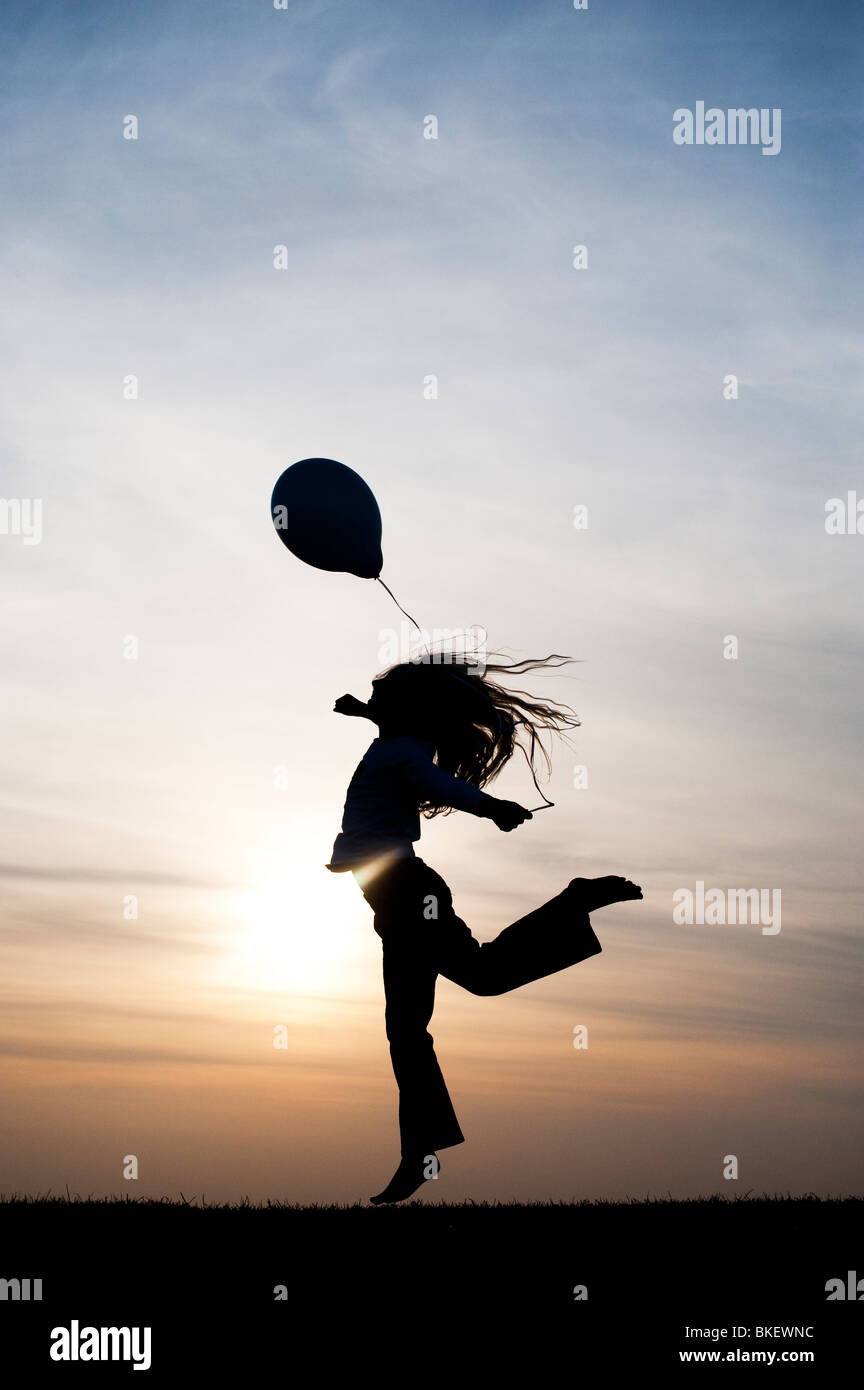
x=649, y=1266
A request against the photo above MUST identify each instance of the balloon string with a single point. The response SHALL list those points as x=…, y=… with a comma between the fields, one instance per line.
x=380, y=581
x=530, y=762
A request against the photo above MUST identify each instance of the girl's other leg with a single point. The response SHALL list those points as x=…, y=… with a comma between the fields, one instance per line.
x=557, y=935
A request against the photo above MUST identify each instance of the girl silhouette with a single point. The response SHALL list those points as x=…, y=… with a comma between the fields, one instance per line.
x=444, y=732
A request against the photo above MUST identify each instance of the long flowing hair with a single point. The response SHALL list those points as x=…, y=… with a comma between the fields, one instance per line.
x=477, y=723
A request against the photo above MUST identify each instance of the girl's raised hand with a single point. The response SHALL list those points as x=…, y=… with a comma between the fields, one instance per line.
x=349, y=704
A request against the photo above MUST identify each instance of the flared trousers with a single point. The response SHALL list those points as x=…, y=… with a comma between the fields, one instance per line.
x=423, y=938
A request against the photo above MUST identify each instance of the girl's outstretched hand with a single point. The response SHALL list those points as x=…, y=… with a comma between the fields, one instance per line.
x=507, y=815
x=349, y=704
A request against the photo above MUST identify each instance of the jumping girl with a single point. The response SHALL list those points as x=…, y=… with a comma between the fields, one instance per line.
x=444, y=732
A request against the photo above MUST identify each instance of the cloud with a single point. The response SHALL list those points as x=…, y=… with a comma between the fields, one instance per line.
x=81, y=874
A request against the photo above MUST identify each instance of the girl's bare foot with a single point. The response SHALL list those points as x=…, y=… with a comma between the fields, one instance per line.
x=594, y=893
x=410, y=1175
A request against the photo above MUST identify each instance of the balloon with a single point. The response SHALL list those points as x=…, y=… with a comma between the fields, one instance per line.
x=328, y=517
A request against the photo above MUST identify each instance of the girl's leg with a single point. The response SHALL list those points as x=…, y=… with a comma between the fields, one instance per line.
x=551, y=938
x=422, y=937
x=427, y=1120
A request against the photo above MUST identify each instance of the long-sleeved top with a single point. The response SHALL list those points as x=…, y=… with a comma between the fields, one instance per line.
x=382, y=813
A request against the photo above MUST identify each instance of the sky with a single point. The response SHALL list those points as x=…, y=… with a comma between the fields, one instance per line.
x=169, y=669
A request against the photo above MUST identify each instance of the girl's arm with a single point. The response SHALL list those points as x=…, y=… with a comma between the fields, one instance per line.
x=431, y=783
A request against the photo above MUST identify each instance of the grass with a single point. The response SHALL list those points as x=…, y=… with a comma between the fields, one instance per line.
x=15, y=1201
x=649, y=1267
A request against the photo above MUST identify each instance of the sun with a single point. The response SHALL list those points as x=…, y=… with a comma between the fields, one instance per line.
x=297, y=929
